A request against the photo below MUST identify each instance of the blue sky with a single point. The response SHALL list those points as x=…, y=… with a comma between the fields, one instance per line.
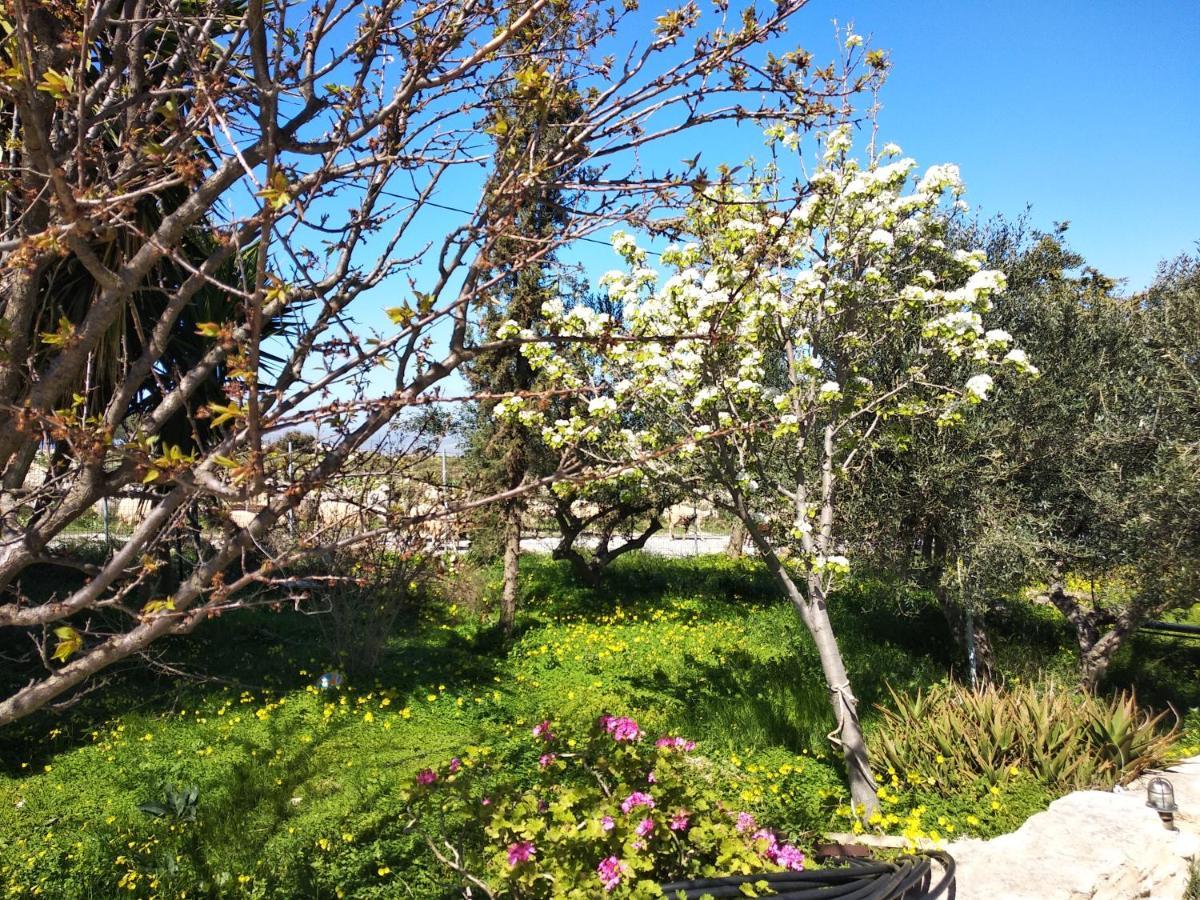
x=1085, y=111
x=1088, y=111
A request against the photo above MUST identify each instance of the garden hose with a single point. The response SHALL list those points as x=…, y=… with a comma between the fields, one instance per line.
x=908, y=878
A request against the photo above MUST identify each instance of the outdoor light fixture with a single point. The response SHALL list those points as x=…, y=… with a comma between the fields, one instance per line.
x=1160, y=797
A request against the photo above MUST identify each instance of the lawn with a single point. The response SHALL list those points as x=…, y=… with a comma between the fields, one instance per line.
x=301, y=792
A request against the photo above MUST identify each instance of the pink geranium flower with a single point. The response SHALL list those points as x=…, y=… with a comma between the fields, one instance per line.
x=679, y=821
x=644, y=827
x=611, y=870
x=542, y=730
x=426, y=776
x=607, y=823
x=519, y=852
x=675, y=743
x=770, y=842
x=789, y=857
x=636, y=799
x=745, y=822
x=546, y=759
x=621, y=728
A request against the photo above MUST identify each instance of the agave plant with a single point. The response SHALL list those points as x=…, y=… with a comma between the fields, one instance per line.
x=1065, y=739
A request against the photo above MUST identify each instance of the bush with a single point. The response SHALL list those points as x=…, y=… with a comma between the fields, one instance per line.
x=371, y=586
x=1066, y=740
x=613, y=814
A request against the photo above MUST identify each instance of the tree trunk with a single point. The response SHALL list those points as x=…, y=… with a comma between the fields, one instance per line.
x=1097, y=646
x=512, y=567
x=985, y=659
x=737, y=540
x=847, y=732
x=1094, y=661
x=970, y=636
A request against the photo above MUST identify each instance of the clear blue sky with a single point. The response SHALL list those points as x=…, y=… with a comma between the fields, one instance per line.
x=1085, y=111
x=1088, y=111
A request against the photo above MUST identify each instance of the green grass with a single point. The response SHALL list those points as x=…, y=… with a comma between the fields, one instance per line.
x=300, y=792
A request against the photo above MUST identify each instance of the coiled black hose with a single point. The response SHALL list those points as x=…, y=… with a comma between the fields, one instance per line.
x=908, y=878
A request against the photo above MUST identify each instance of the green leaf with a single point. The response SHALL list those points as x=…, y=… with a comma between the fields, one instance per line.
x=277, y=193
x=70, y=641
x=56, y=85
x=400, y=315
x=163, y=604
x=208, y=329
x=225, y=413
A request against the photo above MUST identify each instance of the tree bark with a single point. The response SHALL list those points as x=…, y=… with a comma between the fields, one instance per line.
x=970, y=636
x=512, y=567
x=848, y=729
x=847, y=732
x=1097, y=646
x=737, y=540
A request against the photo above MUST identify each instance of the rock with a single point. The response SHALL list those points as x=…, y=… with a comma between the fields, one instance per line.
x=1089, y=845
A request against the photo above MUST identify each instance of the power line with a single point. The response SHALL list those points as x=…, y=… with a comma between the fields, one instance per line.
x=467, y=212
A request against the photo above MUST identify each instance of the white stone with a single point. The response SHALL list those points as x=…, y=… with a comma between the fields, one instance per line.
x=1089, y=845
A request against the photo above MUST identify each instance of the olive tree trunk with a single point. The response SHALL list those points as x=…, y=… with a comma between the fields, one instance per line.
x=1099, y=632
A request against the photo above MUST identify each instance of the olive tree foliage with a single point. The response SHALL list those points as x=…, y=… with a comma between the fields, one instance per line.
x=1086, y=482
x=321, y=135
x=1114, y=487
x=763, y=367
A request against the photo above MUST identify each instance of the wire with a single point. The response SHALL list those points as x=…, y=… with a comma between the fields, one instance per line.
x=467, y=212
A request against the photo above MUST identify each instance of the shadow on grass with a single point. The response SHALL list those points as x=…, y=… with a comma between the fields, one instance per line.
x=255, y=651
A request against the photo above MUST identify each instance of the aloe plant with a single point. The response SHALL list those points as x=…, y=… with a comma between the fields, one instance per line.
x=1065, y=739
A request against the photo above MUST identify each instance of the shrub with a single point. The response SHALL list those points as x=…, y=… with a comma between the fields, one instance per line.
x=1065, y=739
x=370, y=587
x=614, y=814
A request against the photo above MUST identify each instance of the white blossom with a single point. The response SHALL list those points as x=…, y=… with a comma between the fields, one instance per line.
x=881, y=238
x=599, y=405
x=1017, y=357
x=999, y=336
x=978, y=386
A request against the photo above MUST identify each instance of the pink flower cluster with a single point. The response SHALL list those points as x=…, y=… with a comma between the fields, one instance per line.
x=784, y=855
x=621, y=728
x=519, y=852
x=426, y=776
x=542, y=730
x=546, y=759
x=676, y=743
x=611, y=870
x=636, y=799
x=789, y=857
x=679, y=821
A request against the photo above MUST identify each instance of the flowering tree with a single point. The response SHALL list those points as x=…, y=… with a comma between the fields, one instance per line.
x=764, y=366
x=151, y=146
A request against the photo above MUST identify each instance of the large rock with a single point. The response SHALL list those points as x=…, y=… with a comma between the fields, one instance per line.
x=1090, y=845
